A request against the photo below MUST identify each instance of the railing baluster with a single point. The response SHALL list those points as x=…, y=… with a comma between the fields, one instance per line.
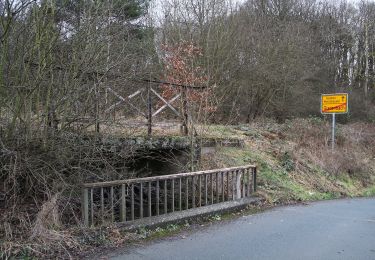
x=165, y=197
x=92, y=205
x=180, y=193
x=248, y=182
x=157, y=197
x=132, y=202
x=200, y=190
x=212, y=188
x=102, y=203
x=187, y=192
x=243, y=183
x=85, y=206
x=238, y=184
x=254, y=179
x=217, y=188
x=112, y=207
x=172, y=188
x=141, y=200
x=233, y=184
x=228, y=186
x=149, y=199
x=123, y=203
x=205, y=189
x=193, y=188
x=222, y=187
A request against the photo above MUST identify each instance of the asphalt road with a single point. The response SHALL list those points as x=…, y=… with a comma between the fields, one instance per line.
x=341, y=229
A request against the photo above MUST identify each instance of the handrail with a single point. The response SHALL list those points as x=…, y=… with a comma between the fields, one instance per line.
x=127, y=200
x=162, y=177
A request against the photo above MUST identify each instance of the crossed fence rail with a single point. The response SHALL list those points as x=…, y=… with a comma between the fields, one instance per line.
x=128, y=200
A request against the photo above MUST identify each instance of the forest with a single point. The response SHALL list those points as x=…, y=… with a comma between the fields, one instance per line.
x=65, y=65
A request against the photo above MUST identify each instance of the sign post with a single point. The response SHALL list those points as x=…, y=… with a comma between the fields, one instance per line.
x=334, y=104
x=333, y=130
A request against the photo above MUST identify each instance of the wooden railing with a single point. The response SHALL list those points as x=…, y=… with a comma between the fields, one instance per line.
x=127, y=200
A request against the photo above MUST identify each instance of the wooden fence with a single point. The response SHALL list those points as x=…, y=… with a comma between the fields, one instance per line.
x=127, y=200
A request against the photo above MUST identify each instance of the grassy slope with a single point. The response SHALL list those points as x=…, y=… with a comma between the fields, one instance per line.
x=295, y=161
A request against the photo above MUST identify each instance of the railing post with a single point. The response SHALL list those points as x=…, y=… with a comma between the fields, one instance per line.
x=249, y=181
x=165, y=197
x=141, y=200
x=149, y=200
x=157, y=197
x=238, y=184
x=254, y=179
x=112, y=206
x=132, y=202
x=234, y=176
x=222, y=187
x=180, y=193
x=85, y=206
x=193, y=191
x=172, y=188
x=123, y=203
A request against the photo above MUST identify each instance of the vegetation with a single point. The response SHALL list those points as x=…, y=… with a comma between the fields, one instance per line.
x=299, y=165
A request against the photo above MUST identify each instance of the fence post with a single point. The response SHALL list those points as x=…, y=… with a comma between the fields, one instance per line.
x=85, y=206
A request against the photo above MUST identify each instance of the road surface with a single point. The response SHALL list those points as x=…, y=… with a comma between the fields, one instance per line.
x=340, y=229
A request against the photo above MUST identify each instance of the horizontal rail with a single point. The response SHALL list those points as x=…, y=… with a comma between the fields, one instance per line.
x=162, y=177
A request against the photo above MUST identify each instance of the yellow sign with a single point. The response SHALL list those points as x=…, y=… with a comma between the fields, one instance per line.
x=334, y=103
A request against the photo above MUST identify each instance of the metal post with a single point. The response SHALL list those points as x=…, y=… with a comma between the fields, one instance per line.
x=333, y=130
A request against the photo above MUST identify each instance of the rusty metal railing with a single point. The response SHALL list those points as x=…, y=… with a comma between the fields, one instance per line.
x=127, y=200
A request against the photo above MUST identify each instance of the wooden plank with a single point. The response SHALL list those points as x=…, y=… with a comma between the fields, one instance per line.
x=123, y=203
x=166, y=102
x=149, y=200
x=163, y=177
x=157, y=197
x=124, y=100
x=164, y=106
x=132, y=202
x=85, y=207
